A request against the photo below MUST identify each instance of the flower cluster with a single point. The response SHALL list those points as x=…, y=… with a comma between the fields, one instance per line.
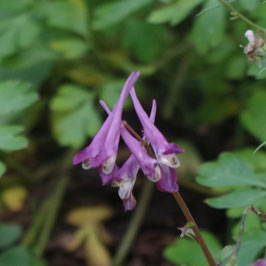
x=158, y=167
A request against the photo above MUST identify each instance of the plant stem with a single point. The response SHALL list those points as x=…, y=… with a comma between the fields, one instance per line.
x=181, y=204
x=54, y=203
x=238, y=14
x=195, y=228
x=134, y=224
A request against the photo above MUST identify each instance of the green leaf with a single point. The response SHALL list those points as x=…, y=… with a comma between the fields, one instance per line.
x=257, y=69
x=15, y=96
x=236, y=67
x=71, y=15
x=104, y=15
x=9, y=140
x=251, y=245
x=230, y=170
x=254, y=117
x=16, y=256
x=10, y=233
x=252, y=224
x=11, y=7
x=173, y=13
x=2, y=168
x=237, y=198
x=250, y=6
x=237, y=212
x=256, y=162
x=74, y=116
x=145, y=40
x=110, y=92
x=208, y=30
x=180, y=252
x=16, y=33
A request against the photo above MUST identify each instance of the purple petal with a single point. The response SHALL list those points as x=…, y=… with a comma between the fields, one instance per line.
x=130, y=203
x=147, y=164
x=108, y=179
x=168, y=181
x=260, y=262
x=154, y=136
x=105, y=143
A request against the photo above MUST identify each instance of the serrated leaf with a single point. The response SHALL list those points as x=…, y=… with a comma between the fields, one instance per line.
x=104, y=15
x=208, y=30
x=237, y=198
x=180, y=252
x=2, y=168
x=10, y=233
x=254, y=117
x=74, y=116
x=230, y=170
x=173, y=13
x=10, y=140
x=15, y=96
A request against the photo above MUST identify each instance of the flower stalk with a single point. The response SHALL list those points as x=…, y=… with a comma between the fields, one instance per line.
x=181, y=204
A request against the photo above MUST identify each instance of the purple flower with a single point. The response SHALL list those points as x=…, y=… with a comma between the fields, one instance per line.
x=148, y=165
x=165, y=152
x=168, y=181
x=125, y=180
x=126, y=177
x=102, y=150
x=260, y=262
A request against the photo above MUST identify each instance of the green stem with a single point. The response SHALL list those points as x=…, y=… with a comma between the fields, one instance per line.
x=134, y=224
x=35, y=228
x=238, y=14
x=54, y=203
x=195, y=228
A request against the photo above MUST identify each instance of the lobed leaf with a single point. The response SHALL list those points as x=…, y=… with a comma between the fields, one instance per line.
x=15, y=96
x=237, y=198
x=10, y=140
x=230, y=170
x=180, y=252
x=74, y=116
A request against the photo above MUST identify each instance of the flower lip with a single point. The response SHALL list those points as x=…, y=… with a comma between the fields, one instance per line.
x=170, y=160
x=86, y=164
x=109, y=164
